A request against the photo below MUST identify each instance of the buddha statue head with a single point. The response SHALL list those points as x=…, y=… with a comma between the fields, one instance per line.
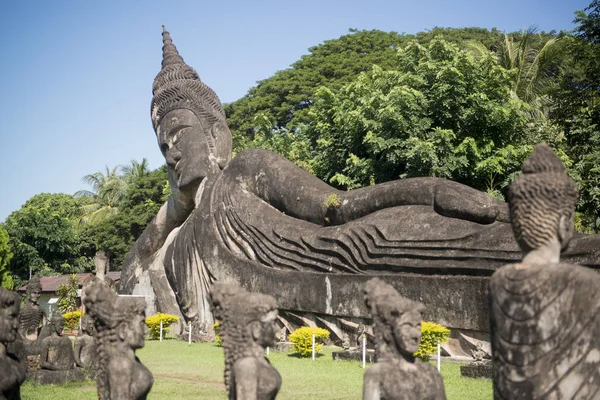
x=542, y=201
x=57, y=323
x=189, y=122
x=10, y=303
x=34, y=290
x=87, y=325
x=396, y=321
x=247, y=322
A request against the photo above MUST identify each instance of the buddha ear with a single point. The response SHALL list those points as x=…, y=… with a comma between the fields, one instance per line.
x=222, y=138
x=255, y=329
x=122, y=330
x=565, y=230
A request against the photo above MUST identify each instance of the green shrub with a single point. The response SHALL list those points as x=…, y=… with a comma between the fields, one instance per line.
x=153, y=323
x=302, y=340
x=431, y=335
x=72, y=319
x=217, y=329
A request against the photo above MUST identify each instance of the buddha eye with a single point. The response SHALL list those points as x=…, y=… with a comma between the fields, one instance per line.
x=164, y=148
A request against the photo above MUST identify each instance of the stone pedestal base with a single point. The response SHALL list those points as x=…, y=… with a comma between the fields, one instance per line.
x=354, y=355
x=477, y=370
x=47, y=377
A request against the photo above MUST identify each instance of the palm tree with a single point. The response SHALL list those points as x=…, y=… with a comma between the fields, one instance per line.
x=135, y=170
x=107, y=191
x=534, y=69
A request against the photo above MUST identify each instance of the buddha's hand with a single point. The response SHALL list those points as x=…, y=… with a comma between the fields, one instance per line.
x=460, y=201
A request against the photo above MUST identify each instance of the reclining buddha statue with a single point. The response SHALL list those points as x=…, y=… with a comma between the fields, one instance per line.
x=260, y=221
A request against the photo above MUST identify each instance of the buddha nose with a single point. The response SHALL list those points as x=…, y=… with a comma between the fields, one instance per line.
x=172, y=157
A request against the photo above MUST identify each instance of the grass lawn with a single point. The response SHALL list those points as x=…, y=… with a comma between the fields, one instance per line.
x=196, y=372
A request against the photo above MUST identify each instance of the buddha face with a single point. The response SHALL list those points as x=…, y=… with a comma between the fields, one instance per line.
x=135, y=332
x=407, y=332
x=34, y=297
x=9, y=322
x=265, y=330
x=182, y=142
x=58, y=324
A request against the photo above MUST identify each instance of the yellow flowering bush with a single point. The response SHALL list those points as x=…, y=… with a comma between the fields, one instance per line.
x=72, y=317
x=153, y=324
x=302, y=340
x=431, y=335
x=217, y=329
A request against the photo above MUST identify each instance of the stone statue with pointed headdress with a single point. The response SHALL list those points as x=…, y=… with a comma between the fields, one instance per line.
x=397, y=329
x=261, y=221
x=247, y=328
x=545, y=314
x=120, y=323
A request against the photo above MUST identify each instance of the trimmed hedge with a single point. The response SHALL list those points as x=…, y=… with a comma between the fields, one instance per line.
x=431, y=335
x=302, y=340
x=153, y=323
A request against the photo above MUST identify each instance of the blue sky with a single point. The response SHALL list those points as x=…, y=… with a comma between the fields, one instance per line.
x=76, y=76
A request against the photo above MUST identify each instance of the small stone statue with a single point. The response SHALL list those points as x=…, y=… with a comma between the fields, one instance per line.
x=478, y=354
x=345, y=341
x=247, y=328
x=57, y=350
x=86, y=345
x=283, y=335
x=397, y=329
x=120, y=326
x=544, y=315
x=32, y=315
x=12, y=371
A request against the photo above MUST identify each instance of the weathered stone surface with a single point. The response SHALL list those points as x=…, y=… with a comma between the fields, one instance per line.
x=397, y=329
x=86, y=346
x=481, y=370
x=267, y=225
x=12, y=370
x=59, y=377
x=247, y=328
x=353, y=355
x=544, y=314
x=120, y=326
x=57, y=350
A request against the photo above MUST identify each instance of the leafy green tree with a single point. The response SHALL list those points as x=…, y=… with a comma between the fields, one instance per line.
x=6, y=280
x=67, y=294
x=135, y=170
x=44, y=237
x=535, y=60
x=440, y=112
x=285, y=98
x=107, y=190
x=576, y=110
x=141, y=201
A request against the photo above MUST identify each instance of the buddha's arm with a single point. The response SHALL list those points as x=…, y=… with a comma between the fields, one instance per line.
x=120, y=370
x=246, y=379
x=77, y=353
x=44, y=364
x=371, y=389
x=299, y=194
x=170, y=216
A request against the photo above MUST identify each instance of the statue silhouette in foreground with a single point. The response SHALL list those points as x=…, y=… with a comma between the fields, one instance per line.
x=247, y=328
x=397, y=328
x=12, y=371
x=545, y=315
x=263, y=222
x=120, y=326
